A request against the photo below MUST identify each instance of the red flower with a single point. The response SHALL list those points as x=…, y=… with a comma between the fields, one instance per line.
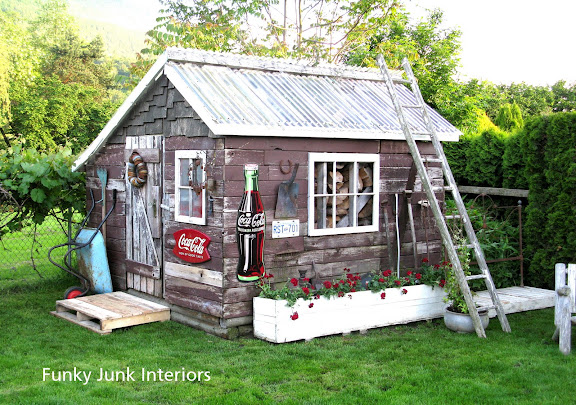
x=352, y=290
x=327, y=284
x=406, y=278
x=383, y=295
x=380, y=280
x=404, y=291
x=294, y=282
x=387, y=273
x=418, y=276
x=436, y=266
x=269, y=275
x=294, y=316
x=409, y=273
x=317, y=297
x=398, y=282
x=340, y=293
x=310, y=305
x=306, y=279
x=306, y=290
x=336, y=285
x=442, y=283
x=425, y=260
x=346, y=269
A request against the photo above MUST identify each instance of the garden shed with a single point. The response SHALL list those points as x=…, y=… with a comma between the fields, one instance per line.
x=197, y=118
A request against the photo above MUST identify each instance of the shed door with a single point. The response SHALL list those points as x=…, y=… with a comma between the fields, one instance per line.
x=144, y=219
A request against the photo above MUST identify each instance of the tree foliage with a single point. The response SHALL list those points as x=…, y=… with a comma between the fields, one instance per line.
x=40, y=183
x=58, y=85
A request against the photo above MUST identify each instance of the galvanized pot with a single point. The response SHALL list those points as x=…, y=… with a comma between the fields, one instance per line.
x=462, y=323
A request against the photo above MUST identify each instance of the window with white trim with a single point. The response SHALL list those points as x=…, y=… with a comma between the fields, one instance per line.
x=343, y=193
x=190, y=187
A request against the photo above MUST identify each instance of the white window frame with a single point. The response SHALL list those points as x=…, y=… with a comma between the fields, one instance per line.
x=332, y=158
x=189, y=154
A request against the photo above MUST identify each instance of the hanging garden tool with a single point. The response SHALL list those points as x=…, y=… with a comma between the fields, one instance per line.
x=287, y=204
x=103, y=176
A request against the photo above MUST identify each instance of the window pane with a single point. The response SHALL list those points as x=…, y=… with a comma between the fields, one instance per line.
x=184, y=167
x=320, y=210
x=197, y=204
x=184, y=202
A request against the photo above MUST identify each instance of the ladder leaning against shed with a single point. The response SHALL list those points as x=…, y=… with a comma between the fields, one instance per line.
x=451, y=249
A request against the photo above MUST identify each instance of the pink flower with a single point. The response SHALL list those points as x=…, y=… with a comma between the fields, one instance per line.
x=294, y=316
x=383, y=295
x=294, y=282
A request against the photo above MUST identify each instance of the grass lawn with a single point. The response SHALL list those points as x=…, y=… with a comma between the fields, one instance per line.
x=421, y=363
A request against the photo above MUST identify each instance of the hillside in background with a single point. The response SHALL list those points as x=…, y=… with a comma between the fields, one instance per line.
x=122, y=24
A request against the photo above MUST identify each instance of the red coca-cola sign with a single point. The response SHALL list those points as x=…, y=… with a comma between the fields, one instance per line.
x=192, y=245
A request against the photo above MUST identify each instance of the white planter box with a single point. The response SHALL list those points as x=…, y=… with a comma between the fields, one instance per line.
x=329, y=316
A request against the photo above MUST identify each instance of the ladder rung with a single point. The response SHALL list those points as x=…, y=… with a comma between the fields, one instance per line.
x=475, y=277
x=431, y=160
x=401, y=81
x=458, y=216
x=421, y=133
x=448, y=188
x=470, y=246
x=485, y=308
x=411, y=106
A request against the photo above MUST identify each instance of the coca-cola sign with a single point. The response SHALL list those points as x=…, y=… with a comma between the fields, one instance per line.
x=251, y=223
x=192, y=245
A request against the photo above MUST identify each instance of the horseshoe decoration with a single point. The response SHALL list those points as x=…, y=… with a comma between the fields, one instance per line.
x=137, y=170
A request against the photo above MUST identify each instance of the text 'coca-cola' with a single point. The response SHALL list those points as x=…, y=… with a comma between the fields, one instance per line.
x=192, y=245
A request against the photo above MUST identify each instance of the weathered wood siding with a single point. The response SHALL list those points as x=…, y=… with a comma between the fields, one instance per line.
x=210, y=291
x=323, y=257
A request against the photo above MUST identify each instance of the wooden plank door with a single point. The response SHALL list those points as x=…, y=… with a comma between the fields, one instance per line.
x=144, y=219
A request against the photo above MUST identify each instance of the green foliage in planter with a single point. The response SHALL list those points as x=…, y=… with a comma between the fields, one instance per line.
x=41, y=183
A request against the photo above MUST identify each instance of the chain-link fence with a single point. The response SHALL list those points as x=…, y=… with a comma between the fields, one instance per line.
x=24, y=254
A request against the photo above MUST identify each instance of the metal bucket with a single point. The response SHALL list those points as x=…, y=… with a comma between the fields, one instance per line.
x=93, y=261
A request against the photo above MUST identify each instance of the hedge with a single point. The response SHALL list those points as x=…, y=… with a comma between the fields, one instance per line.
x=542, y=158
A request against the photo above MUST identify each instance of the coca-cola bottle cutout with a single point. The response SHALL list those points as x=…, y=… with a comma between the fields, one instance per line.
x=250, y=228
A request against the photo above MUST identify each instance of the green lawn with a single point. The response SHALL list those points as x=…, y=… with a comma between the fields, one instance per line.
x=419, y=363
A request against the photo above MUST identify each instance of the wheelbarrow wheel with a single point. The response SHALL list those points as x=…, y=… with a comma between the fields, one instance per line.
x=73, y=292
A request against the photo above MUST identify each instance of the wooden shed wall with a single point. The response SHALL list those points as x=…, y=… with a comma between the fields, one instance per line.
x=211, y=290
x=323, y=257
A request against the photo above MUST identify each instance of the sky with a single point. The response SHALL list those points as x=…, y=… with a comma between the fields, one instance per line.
x=517, y=41
x=503, y=41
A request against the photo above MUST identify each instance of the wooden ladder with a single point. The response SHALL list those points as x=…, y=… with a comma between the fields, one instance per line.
x=449, y=244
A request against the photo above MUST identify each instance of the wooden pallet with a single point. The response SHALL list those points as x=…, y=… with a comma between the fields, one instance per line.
x=102, y=313
x=518, y=299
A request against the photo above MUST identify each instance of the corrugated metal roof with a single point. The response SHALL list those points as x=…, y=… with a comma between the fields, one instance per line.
x=251, y=101
x=255, y=96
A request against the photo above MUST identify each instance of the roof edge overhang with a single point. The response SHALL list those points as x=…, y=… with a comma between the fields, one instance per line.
x=147, y=81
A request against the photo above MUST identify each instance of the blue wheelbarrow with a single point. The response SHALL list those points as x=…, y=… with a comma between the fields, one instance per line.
x=88, y=243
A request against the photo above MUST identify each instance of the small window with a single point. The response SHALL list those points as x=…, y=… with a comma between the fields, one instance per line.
x=343, y=191
x=190, y=187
